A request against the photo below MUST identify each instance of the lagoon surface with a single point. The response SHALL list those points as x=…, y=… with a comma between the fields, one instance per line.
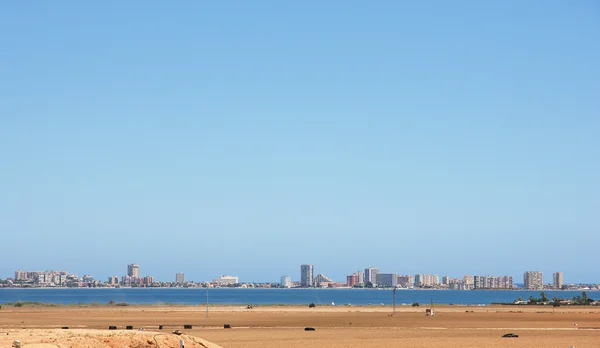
x=195, y=296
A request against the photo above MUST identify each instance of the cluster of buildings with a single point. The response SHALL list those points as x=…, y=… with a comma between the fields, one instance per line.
x=372, y=277
x=51, y=279
x=369, y=278
x=225, y=280
x=535, y=281
x=131, y=279
x=65, y=279
x=309, y=280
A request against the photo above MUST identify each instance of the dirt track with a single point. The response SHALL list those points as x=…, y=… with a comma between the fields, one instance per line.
x=453, y=326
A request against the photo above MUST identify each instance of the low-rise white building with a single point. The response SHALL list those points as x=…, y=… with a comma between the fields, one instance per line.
x=225, y=280
x=286, y=282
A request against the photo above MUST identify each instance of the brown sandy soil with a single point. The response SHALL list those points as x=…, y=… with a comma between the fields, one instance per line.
x=56, y=338
x=276, y=326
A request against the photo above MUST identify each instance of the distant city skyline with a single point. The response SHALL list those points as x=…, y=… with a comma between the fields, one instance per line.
x=133, y=271
x=370, y=277
x=421, y=137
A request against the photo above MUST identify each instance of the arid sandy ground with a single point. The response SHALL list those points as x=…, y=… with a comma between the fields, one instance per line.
x=76, y=338
x=453, y=326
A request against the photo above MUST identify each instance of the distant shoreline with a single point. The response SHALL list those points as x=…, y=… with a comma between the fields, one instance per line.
x=271, y=296
x=123, y=305
x=258, y=288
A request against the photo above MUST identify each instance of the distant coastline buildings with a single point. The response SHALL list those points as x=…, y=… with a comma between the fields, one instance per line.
x=371, y=275
x=133, y=270
x=50, y=278
x=469, y=281
x=406, y=281
x=558, y=280
x=286, y=282
x=427, y=280
x=386, y=280
x=492, y=282
x=226, y=280
x=533, y=280
x=306, y=276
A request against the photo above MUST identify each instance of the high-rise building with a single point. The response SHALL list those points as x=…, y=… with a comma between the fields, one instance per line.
x=361, y=277
x=352, y=280
x=446, y=280
x=469, y=281
x=179, y=278
x=533, y=281
x=371, y=275
x=133, y=270
x=492, y=282
x=62, y=279
x=406, y=281
x=426, y=280
x=505, y=282
x=419, y=280
x=306, y=276
x=286, y=282
x=114, y=280
x=558, y=280
x=387, y=280
x=20, y=275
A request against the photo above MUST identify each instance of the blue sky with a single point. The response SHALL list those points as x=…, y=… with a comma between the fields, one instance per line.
x=247, y=138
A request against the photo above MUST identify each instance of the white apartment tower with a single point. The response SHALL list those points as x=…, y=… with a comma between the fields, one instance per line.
x=361, y=277
x=306, y=276
x=286, y=282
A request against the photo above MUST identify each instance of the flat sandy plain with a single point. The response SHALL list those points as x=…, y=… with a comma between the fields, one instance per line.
x=283, y=326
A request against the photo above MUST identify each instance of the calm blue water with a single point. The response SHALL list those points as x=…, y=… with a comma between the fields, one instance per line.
x=271, y=296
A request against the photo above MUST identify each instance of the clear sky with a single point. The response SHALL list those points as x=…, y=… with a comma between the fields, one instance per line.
x=248, y=137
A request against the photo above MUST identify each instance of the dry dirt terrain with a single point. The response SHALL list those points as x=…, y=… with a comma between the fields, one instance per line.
x=56, y=338
x=453, y=326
